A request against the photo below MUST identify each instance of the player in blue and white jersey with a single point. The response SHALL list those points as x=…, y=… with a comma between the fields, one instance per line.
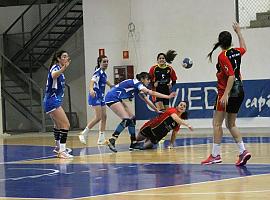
x=53, y=98
x=96, y=100
x=125, y=90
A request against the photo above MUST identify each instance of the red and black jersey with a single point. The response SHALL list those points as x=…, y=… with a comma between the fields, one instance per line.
x=229, y=62
x=164, y=75
x=164, y=121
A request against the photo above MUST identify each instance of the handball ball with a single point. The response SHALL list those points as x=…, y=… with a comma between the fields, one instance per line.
x=187, y=63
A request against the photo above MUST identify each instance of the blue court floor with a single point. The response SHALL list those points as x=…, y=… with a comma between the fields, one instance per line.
x=75, y=180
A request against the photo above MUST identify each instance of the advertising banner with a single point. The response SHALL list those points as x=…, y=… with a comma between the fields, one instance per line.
x=201, y=97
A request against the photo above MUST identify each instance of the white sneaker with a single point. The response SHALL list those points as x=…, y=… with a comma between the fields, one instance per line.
x=64, y=154
x=83, y=138
x=101, y=139
x=56, y=149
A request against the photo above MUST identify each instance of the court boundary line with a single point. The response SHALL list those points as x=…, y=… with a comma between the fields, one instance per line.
x=147, y=189
x=127, y=193
x=199, y=193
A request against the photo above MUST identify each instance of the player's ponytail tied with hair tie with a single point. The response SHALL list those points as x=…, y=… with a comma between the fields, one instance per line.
x=214, y=48
x=170, y=55
x=224, y=41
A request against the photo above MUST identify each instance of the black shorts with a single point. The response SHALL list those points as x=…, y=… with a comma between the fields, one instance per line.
x=233, y=106
x=154, y=134
x=163, y=89
x=111, y=103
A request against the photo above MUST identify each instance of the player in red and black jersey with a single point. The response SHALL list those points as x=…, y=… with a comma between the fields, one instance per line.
x=228, y=69
x=163, y=77
x=157, y=128
x=230, y=95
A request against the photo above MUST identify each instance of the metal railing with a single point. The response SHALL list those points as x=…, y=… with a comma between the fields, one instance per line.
x=28, y=24
x=27, y=105
x=33, y=88
x=19, y=34
x=253, y=13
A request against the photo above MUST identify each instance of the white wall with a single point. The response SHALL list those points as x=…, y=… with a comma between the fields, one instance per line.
x=105, y=26
x=190, y=27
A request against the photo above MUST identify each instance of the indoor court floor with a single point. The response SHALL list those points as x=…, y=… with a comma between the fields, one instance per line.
x=30, y=170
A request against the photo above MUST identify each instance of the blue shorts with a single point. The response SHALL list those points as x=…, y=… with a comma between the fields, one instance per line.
x=51, y=104
x=110, y=99
x=96, y=101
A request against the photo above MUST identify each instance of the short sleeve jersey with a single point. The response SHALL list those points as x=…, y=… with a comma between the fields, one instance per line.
x=55, y=87
x=126, y=89
x=164, y=75
x=164, y=119
x=100, y=79
x=229, y=62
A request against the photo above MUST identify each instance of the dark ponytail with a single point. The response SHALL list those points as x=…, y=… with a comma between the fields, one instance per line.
x=99, y=59
x=169, y=56
x=55, y=57
x=184, y=115
x=210, y=54
x=142, y=75
x=224, y=41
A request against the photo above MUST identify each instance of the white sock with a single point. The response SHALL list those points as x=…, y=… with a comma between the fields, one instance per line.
x=57, y=143
x=101, y=133
x=241, y=147
x=62, y=147
x=86, y=131
x=215, y=150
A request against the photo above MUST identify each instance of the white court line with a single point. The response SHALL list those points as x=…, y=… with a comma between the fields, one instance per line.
x=189, y=184
x=53, y=172
x=101, y=169
x=199, y=193
x=16, y=198
x=31, y=159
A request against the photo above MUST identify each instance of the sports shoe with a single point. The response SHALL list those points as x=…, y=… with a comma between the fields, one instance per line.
x=212, y=160
x=243, y=158
x=101, y=139
x=56, y=149
x=111, y=144
x=135, y=146
x=64, y=154
x=83, y=138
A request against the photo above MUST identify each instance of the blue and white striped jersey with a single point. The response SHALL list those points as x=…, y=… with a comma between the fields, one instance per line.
x=55, y=87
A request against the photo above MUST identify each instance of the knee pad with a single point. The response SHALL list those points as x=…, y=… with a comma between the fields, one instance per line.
x=125, y=122
x=133, y=122
x=128, y=122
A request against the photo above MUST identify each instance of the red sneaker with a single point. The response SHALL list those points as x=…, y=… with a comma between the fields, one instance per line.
x=212, y=160
x=243, y=158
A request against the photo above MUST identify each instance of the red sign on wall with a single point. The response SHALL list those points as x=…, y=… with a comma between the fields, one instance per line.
x=101, y=52
x=125, y=55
